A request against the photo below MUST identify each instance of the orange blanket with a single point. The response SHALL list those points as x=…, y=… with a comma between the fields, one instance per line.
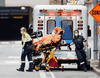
x=48, y=38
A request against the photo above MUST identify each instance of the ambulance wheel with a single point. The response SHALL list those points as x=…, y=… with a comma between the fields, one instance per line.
x=78, y=67
x=62, y=69
x=88, y=65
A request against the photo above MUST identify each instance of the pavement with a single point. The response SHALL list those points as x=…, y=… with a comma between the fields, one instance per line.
x=10, y=53
x=94, y=63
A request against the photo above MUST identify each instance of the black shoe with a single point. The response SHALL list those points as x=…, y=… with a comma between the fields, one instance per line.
x=33, y=67
x=85, y=70
x=22, y=70
x=29, y=70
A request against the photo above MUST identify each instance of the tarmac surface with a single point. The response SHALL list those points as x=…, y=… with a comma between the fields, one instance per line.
x=10, y=53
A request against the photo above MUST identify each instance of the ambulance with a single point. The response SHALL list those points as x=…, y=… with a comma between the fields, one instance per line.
x=69, y=18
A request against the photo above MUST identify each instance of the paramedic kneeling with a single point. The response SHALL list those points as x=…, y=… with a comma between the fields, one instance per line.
x=26, y=50
x=80, y=49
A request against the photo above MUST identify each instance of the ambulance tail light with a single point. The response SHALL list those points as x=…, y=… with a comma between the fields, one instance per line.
x=43, y=10
x=40, y=24
x=77, y=10
x=74, y=14
x=40, y=28
x=80, y=21
x=80, y=24
x=40, y=21
x=80, y=28
x=64, y=14
x=51, y=14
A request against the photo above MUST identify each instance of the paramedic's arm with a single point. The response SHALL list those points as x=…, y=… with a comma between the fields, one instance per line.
x=23, y=43
x=86, y=43
x=24, y=40
x=71, y=43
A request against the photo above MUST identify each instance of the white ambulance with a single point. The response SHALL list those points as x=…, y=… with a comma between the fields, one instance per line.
x=69, y=18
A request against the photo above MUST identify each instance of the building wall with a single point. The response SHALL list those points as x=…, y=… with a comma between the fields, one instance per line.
x=31, y=3
x=2, y=2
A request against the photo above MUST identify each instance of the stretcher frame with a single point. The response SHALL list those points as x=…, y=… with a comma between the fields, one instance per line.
x=47, y=68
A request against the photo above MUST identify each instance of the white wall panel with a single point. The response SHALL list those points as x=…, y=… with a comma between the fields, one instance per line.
x=31, y=3
x=90, y=18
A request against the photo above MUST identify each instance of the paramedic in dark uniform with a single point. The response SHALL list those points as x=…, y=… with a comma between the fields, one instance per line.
x=26, y=50
x=80, y=49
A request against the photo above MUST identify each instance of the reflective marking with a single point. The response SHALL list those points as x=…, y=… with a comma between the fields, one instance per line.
x=12, y=62
x=4, y=42
x=30, y=61
x=53, y=76
x=82, y=63
x=23, y=61
x=42, y=74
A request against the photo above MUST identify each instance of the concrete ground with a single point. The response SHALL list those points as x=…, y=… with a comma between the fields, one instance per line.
x=10, y=60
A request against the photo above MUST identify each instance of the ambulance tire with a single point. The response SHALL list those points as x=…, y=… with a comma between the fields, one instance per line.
x=78, y=67
x=88, y=65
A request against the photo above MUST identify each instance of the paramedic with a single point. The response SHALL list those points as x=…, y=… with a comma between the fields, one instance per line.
x=26, y=51
x=80, y=49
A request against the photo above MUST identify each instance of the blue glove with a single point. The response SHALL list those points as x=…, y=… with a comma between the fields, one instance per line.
x=22, y=50
x=84, y=48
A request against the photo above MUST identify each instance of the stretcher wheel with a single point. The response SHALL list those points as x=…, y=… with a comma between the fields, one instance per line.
x=47, y=68
x=37, y=68
x=62, y=69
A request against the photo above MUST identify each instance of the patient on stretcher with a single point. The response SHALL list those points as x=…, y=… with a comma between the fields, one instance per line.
x=49, y=38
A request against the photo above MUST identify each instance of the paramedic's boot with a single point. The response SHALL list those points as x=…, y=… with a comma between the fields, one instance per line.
x=33, y=66
x=30, y=67
x=83, y=67
x=21, y=67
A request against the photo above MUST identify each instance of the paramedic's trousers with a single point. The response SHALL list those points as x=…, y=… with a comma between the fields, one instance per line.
x=81, y=58
x=27, y=52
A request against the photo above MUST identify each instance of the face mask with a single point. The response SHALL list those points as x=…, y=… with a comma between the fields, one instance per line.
x=76, y=34
x=21, y=32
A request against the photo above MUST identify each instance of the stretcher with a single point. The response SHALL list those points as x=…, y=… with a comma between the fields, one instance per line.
x=49, y=50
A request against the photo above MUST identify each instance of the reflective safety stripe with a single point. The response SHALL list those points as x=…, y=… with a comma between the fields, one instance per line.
x=30, y=61
x=22, y=61
x=81, y=63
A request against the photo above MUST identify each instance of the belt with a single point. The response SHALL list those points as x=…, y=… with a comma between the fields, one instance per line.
x=79, y=47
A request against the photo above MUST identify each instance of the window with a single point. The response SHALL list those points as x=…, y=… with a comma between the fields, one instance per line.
x=67, y=26
x=51, y=24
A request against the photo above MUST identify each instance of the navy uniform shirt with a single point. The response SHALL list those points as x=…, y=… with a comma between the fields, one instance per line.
x=79, y=41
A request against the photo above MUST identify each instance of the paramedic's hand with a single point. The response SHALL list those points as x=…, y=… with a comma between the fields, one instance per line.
x=84, y=48
x=22, y=50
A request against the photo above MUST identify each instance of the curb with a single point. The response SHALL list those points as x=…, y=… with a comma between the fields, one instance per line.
x=94, y=69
